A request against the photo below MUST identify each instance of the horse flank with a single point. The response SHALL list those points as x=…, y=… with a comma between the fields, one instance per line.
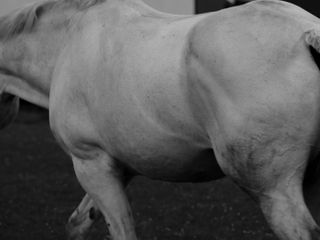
x=24, y=20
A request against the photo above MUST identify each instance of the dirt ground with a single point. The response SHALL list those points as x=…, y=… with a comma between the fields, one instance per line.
x=38, y=192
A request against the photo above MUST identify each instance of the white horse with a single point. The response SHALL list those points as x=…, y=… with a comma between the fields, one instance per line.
x=132, y=91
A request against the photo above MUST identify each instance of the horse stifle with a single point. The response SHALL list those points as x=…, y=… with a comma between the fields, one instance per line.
x=132, y=91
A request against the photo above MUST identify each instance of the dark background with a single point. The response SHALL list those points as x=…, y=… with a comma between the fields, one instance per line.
x=207, y=6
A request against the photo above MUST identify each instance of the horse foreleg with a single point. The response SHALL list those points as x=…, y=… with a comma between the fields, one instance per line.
x=272, y=172
x=104, y=183
x=82, y=218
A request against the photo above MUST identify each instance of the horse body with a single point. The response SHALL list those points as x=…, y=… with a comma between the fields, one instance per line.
x=141, y=107
x=143, y=92
x=180, y=98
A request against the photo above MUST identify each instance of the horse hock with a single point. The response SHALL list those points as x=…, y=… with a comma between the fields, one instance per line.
x=271, y=169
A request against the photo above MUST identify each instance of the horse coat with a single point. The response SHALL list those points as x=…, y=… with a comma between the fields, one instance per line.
x=132, y=91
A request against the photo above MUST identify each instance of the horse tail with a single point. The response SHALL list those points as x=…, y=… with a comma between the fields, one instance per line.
x=312, y=38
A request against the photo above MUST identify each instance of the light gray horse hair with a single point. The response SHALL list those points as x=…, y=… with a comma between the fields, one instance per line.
x=24, y=20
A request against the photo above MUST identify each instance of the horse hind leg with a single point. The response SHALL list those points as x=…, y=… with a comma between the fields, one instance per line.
x=272, y=172
x=287, y=214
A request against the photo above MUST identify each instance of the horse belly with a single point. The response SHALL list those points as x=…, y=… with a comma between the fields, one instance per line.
x=163, y=157
x=199, y=166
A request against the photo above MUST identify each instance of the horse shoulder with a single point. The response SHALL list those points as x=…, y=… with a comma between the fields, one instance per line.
x=70, y=119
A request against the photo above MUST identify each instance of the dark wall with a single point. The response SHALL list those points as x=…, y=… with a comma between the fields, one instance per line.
x=208, y=6
x=311, y=6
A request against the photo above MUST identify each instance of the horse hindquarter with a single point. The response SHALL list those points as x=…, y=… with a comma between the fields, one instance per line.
x=261, y=109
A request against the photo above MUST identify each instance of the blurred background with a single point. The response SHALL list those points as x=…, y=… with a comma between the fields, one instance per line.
x=38, y=189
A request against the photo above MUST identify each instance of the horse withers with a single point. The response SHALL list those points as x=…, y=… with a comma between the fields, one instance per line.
x=133, y=91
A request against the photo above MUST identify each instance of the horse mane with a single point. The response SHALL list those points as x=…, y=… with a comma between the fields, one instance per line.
x=24, y=20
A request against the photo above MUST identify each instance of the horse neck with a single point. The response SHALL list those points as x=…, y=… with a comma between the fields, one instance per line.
x=27, y=63
x=28, y=60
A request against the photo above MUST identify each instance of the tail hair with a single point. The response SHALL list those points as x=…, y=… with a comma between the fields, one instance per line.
x=312, y=38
